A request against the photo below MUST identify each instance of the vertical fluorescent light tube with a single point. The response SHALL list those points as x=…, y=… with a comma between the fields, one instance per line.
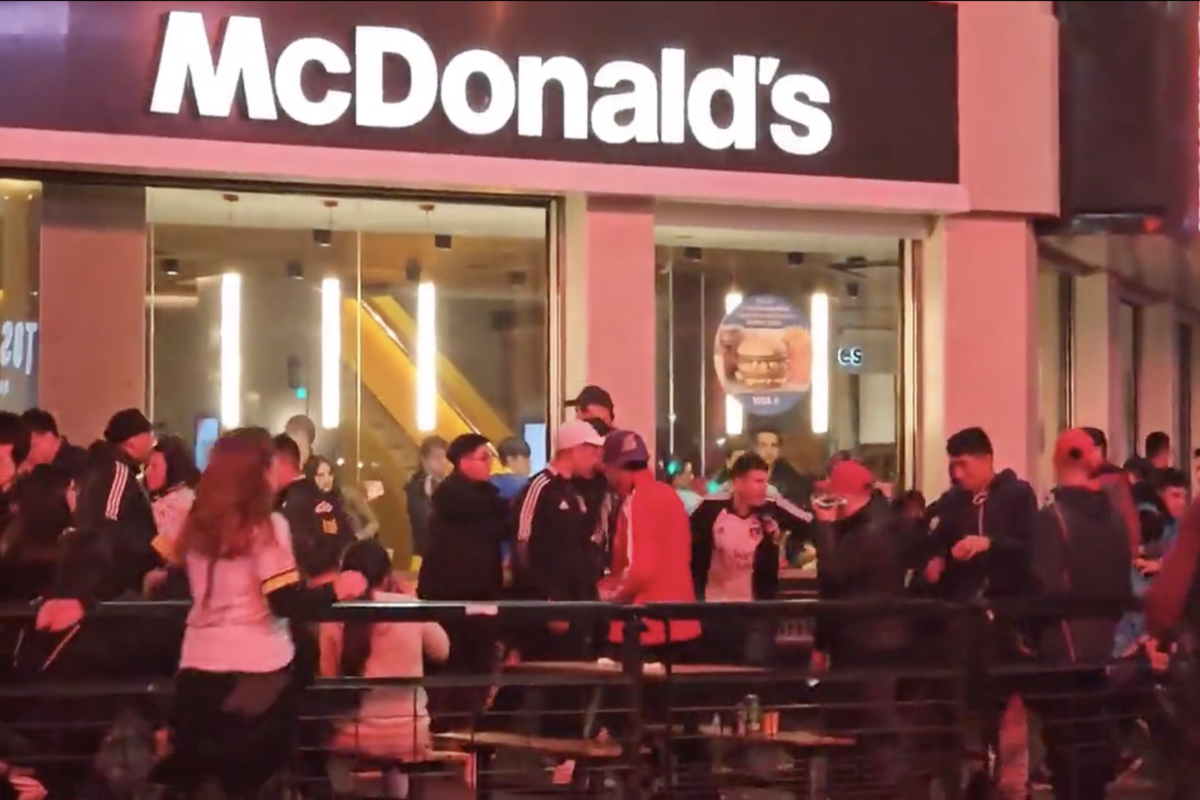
x=819, y=316
x=426, y=357
x=231, y=350
x=331, y=353
x=734, y=416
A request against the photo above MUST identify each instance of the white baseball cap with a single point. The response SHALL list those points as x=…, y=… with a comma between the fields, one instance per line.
x=574, y=433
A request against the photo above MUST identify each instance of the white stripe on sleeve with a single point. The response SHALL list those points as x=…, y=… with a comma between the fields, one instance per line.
x=112, y=507
x=529, y=506
x=791, y=508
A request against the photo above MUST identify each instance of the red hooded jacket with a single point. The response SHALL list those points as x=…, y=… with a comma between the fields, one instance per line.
x=652, y=555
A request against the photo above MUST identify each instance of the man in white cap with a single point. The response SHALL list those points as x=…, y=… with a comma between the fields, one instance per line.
x=552, y=555
x=553, y=561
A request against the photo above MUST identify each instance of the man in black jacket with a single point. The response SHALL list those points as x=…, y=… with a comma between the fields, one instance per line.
x=980, y=541
x=47, y=446
x=109, y=556
x=859, y=541
x=418, y=491
x=1080, y=550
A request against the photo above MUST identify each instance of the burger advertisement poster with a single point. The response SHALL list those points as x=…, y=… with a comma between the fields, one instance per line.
x=763, y=355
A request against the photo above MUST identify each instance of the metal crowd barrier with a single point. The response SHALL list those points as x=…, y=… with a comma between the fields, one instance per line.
x=634, y=720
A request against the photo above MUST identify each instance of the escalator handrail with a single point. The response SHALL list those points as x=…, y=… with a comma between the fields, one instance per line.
x=391, y=334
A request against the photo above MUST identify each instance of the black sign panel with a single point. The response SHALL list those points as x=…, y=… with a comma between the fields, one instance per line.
x=862, y=90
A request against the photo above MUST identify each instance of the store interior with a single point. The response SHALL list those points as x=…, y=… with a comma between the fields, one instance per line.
x=389, y=320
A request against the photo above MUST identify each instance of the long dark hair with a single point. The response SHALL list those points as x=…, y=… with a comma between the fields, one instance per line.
x=181, y=467
x=371, y=559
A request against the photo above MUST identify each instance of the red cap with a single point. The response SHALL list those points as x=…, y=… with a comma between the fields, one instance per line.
x=848, y=478
x=1072, y=447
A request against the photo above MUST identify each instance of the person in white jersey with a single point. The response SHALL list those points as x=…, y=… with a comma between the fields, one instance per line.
x=736, y=538
x=235, y=711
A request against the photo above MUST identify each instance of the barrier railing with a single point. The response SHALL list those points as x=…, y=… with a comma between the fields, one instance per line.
x=740, y=706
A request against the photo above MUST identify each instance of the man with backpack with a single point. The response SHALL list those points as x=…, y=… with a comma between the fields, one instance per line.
x=1079, y=551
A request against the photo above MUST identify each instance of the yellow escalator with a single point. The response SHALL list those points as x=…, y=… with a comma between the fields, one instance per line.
x=454, y=385
x=389, y=374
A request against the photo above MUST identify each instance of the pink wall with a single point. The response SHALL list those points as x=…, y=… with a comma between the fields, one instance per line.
x=93, y=282
x=621, y=310
x=981, y=305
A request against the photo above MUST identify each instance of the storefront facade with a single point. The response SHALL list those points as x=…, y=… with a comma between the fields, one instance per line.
x=657, y=145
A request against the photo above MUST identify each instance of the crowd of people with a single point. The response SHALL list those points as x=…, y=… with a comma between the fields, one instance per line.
x=260, y=547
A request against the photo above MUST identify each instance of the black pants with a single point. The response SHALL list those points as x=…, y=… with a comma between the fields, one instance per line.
x=473, y=659
x=1082, y=750
x=867, y=709
x=563, y=706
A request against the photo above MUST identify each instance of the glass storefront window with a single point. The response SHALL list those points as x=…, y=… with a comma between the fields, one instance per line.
x=1056, y=312
x=382, y=321
x=1183, y=402
x=20, y=228
x=1129, y=330
x=793, y=352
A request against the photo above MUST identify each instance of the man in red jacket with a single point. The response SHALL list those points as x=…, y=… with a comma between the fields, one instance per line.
x=652, y=547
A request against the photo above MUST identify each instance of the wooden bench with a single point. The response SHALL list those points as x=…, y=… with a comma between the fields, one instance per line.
x=367, y=771
x=484, y=744
x=565, y=748
x=798, y=739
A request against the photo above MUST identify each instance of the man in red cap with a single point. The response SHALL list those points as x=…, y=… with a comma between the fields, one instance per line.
x=1080, y=549
x=859, y=541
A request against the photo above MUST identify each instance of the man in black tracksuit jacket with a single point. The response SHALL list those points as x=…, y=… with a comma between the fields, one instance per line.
x=109, y=555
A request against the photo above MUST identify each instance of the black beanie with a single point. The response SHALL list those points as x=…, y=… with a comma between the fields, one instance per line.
x=125, y=425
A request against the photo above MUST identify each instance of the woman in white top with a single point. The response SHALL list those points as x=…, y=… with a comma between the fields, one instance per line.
x=235, y=698
x=171, y=478
x=391, y=722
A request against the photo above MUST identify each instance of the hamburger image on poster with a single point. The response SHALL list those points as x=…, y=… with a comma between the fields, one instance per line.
x=758, y=361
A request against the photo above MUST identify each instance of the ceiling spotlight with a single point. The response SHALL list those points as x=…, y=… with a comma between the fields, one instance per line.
x=693, y=254
x=322, y=237
x=516, y=279
x=852, y=290
x=412, y=271
x=295, y=270
x=170, y=266
x=795, y=259
x=443, y=241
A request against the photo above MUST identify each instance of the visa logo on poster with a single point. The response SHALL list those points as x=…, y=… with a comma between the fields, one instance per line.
x=635, y=102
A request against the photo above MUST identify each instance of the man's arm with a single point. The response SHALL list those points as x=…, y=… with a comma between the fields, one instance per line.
x=793, y=519
x=645, y=518
x=702, y=521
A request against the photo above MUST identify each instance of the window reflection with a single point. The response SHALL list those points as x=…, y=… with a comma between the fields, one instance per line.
x=20, y=220
x=265, y=307
x=1129, y=335
x=779, y=376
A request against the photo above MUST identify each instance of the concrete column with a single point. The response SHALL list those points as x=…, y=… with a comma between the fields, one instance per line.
x=1098, y=395
x=93, y=307
x=20, y=213
x=977, y=299
x=1158, y=374
x=608, y=315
